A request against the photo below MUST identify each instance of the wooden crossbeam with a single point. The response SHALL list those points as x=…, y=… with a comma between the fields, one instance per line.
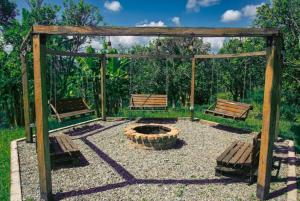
x=224, y=56
x=98, y=55
x=155, y=31
x=208, y=56
x=73, y=54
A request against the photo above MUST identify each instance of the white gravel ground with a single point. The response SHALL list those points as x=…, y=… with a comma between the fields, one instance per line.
x=117, y=171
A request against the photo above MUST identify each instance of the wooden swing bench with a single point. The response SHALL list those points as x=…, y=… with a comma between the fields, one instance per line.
x=62, y=148
x=230, y=109
x=69, y=107
x=148, y=101
x=240, y=159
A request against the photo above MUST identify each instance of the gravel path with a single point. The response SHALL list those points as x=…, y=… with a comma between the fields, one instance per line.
x=117, y=171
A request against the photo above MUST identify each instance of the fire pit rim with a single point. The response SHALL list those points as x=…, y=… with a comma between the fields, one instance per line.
x=152, y=141
x=131, y=132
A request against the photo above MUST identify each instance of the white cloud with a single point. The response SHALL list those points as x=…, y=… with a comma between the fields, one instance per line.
x=129, y=41
x=216, y=43
x=114, y=6
x=231, y=15
x=95, y=43
x=152, y=24
x=176, y=21
x=250, y=10
x=194, y=5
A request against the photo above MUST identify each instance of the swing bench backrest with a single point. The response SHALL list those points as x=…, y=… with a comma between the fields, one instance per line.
x=230, y=109
x=148, y=101
x=69, y=107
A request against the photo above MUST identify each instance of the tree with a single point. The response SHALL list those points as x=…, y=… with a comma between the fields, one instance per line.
x=285, y=14
x=7, y=12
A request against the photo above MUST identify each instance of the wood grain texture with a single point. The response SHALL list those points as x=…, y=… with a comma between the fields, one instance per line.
x=41, y=110
x=26, y=107
x=224, y=56
x=192, y=96
x=158, y=55
x=148, y=101
x=103, y=89
x=154, y=31
x=269, y=122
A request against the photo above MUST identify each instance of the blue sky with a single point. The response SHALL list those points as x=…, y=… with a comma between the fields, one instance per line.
x=186, y=13
x=206, y=13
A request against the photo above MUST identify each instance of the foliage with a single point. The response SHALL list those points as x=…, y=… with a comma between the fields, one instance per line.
x=285, y=14
x=7, y=11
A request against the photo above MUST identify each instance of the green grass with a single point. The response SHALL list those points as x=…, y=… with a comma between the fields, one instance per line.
x=288, y=130
x=6, y=136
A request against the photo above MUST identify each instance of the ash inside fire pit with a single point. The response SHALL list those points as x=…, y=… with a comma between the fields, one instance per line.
x=150, y=129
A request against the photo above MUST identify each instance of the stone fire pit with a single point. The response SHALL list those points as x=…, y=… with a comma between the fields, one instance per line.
x=152, y=136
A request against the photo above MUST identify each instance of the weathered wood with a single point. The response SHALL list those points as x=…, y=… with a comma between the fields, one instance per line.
x=223, y=155
x=192, y=96
x=269, y=122
x=74, y=54
x=62, y=148
x=69, y=107
x=230, y=109
x=26, y=107
x=39, y=62
x=159, y=55
x=224, y=56
x=155, y=31
x=238, y=159
x=103, y=88
x=279, y=61
x=148, y=101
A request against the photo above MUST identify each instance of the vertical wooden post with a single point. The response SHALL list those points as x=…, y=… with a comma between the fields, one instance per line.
x=269, y=122
x=279, y=62
x=41, y=110
x=192, y=96
x=26, y=106
x=103, y=91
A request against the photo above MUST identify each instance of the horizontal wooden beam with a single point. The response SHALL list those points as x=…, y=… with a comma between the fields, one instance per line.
x=158, y=55
x=73, y=54
x=155, y=31
x=98, y=55
x=224, y=56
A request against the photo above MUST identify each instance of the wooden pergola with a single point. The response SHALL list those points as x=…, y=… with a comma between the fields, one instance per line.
x=270, y=122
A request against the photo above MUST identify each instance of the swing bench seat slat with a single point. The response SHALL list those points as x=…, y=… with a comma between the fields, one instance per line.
x=148, y=101
x=230, y=109
x=240, y=159
x=62, y=148
x=69, y=107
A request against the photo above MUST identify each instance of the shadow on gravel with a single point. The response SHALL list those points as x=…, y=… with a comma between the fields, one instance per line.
x=131, y=180
x=83, y=129
x=232, y=129
x=80, y=161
